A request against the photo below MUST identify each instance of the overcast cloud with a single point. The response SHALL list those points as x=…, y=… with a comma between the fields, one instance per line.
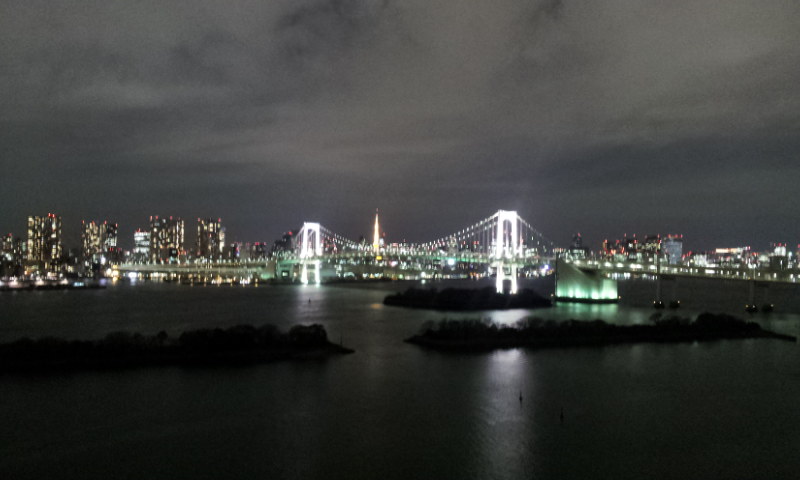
x=600, y=117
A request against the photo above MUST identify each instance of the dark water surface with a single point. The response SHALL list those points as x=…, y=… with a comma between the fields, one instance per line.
x=728, y=409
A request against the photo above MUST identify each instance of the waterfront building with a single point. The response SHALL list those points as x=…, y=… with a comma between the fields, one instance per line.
x=12, y=256
x=621, y=250
x=210, y=239
x=141, y=246
x=44, y=243
x=166, y=239
x=91, y=242
x=576, y=249
x=668, y=247
x=99, y=244
x=779, y=257
x=232, y=252
x=110, y=235
x=258, y=251
x=733, y=257
x=650, y=248
x=285, y=245
x=8, y=248
x=672, y=248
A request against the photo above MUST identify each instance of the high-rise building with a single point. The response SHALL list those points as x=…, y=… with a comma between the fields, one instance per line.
x=11, y=256
x=672, y=247
x=91, y=241
x=44, y=242
x=8, y=248
x=111, y=232
x=651, y=247
x=210, y=239
x=284, y=245
x=778, y=259
x=232, y=251
x=141, y=246
x=166, y=239
x=576, y=249
x=258, y=251
x=99, y=243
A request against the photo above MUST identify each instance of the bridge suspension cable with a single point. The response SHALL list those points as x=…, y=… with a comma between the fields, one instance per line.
x=482, y=236
x=308, y=245
x=485, y=236
x=337, y=239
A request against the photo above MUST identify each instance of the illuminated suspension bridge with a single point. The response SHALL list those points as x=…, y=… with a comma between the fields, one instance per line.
x=503, y=243
x=504, y=246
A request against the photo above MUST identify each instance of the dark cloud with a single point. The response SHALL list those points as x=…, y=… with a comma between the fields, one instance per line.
x=603, y=118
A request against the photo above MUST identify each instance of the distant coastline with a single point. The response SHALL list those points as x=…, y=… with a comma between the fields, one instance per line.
x=239, y=345
x=473, y=335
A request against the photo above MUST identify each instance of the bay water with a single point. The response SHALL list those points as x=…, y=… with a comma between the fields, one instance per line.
x=725, y=409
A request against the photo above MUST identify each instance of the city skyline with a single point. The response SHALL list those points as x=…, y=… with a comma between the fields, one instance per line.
x=100, y=239
x=191, y=244
x=587, y=118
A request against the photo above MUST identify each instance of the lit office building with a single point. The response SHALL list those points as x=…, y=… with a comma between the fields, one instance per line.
x=650, y=248
x=210, y=239
x=141, y=246
x=111, y=231
x=166, y=239
x=11, y=256
x=99, y=243
x=91, y=241
x=233, y=251
x=672, y=247
x=258, y=251
x=8, y=247
x=44, y=242
x=778, y=259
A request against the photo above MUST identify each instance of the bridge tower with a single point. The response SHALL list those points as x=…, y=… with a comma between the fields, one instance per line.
x=310, y=251
x=506, y=249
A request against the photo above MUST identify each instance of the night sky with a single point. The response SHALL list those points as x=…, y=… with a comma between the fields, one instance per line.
x=603, y=118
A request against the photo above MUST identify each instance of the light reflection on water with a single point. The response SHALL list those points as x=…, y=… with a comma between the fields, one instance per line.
x=392, y=410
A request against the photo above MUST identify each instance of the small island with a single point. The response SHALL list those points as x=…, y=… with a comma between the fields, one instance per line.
x=239, y=345
x=475, y=335
x=463, y=299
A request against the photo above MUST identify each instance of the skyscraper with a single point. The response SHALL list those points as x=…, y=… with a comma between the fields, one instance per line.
x=8, y=247
x=166, y=239
x=44, y=242
x=12, y=256
x=98, y=242
x=210, y=238
x=141, y=246
x=672, y=246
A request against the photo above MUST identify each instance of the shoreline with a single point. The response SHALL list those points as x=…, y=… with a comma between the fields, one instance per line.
x=465, y=299
x=472, y=336
x=236, y=346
